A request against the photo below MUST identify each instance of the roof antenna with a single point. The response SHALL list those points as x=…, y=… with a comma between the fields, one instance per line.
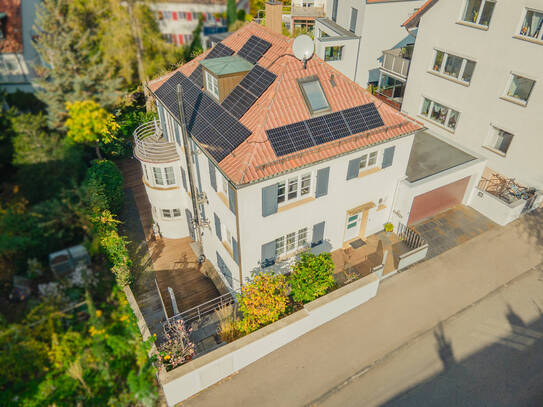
x=303, y=48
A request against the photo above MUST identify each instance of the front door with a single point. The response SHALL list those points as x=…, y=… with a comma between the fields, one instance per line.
x=352, y=228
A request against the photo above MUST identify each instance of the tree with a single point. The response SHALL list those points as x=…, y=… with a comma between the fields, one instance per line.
x=231, y=14
x=108, y=174
x=68, y=41
x=312, y=276
x=88, y=123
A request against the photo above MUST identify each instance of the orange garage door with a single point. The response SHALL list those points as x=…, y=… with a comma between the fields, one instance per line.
x=438, y=200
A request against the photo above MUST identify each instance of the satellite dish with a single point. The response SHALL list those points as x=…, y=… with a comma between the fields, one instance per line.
x=303, y=47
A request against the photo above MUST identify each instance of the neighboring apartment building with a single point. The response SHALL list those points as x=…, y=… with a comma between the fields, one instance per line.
x=303, y=14
x=476, y=80
x=354, y=34
x=280, y=158
x=177, y=19
x=17, y=54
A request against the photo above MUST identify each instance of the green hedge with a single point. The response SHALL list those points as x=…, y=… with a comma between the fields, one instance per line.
x=108, y=174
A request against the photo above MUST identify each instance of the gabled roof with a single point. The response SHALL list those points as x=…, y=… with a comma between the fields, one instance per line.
x=413, y=21
x=282, y=103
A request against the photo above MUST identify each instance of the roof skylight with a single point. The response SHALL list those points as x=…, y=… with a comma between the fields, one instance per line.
x=313, y=94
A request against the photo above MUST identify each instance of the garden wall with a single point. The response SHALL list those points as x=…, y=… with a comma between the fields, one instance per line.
x=407, y=259
x=193, y=377
x=495, y=209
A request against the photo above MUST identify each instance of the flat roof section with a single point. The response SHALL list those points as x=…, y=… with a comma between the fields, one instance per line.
x=430, y=156
x=227, y=65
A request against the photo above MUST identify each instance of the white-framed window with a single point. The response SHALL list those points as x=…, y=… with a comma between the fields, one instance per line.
x=334, y=53
x=212, y=84
x=454, y=66
x=157, y=172
x=171, y=213
x=440, y=114
x=170, y=176
x=519, y=88
x=368, y=161
x=532, y=24
x=224, y=185
x=145, y=172
x=292, y=241
x=499, y=140
x=162, y=176
x=294, y=188
x=479, y=12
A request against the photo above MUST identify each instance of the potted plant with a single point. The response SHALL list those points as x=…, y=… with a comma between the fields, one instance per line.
x=389, y=227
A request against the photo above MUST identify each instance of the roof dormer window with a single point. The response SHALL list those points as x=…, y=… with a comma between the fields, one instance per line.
x=212, y=84
x=313, y=94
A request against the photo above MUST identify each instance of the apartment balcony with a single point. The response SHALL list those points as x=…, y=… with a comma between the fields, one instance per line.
x=299, y=12
x=397, y=61
x=150, y=145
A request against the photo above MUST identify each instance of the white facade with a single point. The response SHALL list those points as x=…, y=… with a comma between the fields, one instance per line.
x=483, y=103
x=178, y=20
x=376, y=27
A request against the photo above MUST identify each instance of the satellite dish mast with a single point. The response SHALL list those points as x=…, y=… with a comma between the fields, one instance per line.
x=303, y=48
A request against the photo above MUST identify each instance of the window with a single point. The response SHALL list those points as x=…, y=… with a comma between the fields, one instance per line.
x=333, y=53
x=292, y=241
x=453, y=66
x=171, y=213
x=177, y=213
x=368, y=160
x=352, y=221
x=170, y=177
x=479, y=12
x=295, y=188
x=280, y=246
x=500, y=140
x=314, y=95
x=354, y=17
x=302, y=237
x=166, y=213
x=212, y=84
x=440, y=114
x=532, y=26
x=158, y=176
x=145, y=172
x=520, y=88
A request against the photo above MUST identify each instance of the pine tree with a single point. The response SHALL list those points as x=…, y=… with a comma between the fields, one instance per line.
x=231, y=13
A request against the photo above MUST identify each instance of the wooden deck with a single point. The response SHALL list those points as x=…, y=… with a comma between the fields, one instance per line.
x=174, y=263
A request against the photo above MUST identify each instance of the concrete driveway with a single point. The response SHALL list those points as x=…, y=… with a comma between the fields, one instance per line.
x=406, y=306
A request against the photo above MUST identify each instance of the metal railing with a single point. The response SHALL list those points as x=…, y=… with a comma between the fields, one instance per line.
x=393, y=61
x=151, y=145
x=198, y=312
x=410, y=237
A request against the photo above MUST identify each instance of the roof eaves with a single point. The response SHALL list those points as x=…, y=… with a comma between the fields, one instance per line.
x=413, y=20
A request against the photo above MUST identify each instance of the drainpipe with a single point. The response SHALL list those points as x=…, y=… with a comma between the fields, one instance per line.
x=357, y=54
x=190, y=170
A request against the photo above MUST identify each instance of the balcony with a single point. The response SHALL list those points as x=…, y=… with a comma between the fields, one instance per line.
x=397, y=61
x=150, y=145
x=307, y=12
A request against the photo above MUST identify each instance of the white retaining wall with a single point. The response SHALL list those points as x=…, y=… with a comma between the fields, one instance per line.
x=207, y=370
x=495, y=209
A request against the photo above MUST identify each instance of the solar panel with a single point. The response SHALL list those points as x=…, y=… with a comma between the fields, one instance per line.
x=322, y=129
x=197, y=76
x=258, y=80
x=207, y=121
x=218, y=51
x=254, y=48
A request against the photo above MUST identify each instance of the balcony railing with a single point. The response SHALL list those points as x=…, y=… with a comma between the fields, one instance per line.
x=395, y=61
x=313, y=11
x=151, y=145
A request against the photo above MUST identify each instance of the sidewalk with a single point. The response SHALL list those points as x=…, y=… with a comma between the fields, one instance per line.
x=406, y=306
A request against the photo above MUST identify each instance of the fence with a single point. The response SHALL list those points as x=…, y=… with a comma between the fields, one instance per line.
x=197, y=313
x=394, y=62
x=149, y=144
x=410, y=237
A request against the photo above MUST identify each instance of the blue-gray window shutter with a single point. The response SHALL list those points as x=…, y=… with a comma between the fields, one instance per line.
x=388, y=156
x=318, y=234
x=235, y=249
x=162, y=119
x=218, y=227
x=354, y=167
x=269, y=200
x=231, y=199
x=184, y=178
x=322, y=182
x=224, y=269
x=212, y=175
x=268, y=254
x=176, y=131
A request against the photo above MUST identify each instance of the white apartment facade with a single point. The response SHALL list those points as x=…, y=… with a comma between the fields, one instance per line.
x=476, y=80
x=256, y=217
x=354, y=34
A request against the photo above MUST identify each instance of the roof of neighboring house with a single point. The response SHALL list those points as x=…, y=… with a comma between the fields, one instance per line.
x=227, y=65
x=282, y=103
x=413, y=21
x=12, y=25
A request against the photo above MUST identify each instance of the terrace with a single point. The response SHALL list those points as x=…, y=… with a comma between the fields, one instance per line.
x=150, y=145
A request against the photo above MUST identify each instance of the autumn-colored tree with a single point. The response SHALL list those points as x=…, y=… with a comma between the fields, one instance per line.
x=89, y=123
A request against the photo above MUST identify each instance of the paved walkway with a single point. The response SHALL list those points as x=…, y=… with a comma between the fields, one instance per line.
x=406, y=306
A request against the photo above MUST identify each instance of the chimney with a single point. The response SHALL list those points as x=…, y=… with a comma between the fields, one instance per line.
x=274, y=14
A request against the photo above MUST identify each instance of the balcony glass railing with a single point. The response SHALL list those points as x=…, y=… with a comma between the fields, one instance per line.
x=394, y=61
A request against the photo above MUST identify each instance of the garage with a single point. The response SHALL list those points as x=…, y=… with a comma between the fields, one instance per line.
x=437, y=200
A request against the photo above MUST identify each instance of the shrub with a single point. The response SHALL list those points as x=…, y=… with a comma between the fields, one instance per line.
x=262, y=301
x=228, y=330
x=108, y=174
x=312, y=276
x=177, y=348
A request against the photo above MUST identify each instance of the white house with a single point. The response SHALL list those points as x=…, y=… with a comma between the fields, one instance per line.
x=177, y=19
x=354, y=34
x=476, y=80
x=303, y=14
x=280, y=158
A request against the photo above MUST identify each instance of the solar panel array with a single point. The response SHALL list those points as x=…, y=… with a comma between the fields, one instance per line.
x=218, y=51
x=319, y=130
x=207, y=121
x=254, y=48
x=251, y=87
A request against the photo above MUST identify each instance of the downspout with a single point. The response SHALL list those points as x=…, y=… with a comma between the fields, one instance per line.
x=357, y=54
x=188, y=157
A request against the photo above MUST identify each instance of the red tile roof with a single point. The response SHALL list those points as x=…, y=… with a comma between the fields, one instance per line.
x=413, y=21
x=282, y=103
x=13, y=41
